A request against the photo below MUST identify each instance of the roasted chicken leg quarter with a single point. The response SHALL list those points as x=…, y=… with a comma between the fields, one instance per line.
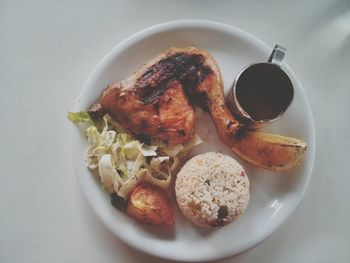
x=156, y=102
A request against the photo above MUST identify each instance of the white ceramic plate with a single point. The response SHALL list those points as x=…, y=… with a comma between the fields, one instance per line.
x=274, y=196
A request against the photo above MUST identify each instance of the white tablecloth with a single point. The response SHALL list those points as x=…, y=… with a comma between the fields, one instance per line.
x=47, y=50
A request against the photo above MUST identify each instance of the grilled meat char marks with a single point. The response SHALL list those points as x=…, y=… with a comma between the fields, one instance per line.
x=188, y=69
x=156, y=102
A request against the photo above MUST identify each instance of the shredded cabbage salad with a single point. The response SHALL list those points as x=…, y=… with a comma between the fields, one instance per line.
x=123, y=161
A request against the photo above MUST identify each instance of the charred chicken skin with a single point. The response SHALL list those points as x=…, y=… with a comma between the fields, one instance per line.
x=156, y=102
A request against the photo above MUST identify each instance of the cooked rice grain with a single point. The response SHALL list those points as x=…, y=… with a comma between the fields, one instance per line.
x=212, y=189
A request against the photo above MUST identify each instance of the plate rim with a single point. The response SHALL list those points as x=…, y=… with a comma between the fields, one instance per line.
x=163, y=27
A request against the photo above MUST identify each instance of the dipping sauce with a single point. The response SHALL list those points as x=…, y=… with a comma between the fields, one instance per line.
x=264, y=92
x=261, y=93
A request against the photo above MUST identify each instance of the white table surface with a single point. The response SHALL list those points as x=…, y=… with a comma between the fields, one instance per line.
x=47, y=50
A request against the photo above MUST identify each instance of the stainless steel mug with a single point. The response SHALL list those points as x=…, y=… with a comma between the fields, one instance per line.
x=262, y=92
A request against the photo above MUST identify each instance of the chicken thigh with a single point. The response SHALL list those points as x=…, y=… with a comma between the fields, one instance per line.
x=156, y=102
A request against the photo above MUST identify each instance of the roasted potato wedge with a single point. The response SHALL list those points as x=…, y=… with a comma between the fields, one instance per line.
x=151, y=205
x=270, y=151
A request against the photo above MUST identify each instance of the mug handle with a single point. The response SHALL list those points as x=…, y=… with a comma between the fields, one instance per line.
x=277, y=55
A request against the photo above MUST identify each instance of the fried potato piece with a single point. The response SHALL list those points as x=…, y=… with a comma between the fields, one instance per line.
x=270, y=151
x=151, y=205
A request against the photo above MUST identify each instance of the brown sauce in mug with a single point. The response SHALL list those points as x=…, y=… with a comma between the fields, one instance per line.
x=264, y=91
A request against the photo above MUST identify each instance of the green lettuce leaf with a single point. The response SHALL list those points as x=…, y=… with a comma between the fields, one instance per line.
x=81, y=116
x=110, y=177
x=123, y=161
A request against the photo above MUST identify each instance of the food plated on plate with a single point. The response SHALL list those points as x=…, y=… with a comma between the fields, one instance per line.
x=142, y=127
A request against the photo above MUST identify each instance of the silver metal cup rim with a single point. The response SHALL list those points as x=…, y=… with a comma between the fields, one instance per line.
x=244, y=113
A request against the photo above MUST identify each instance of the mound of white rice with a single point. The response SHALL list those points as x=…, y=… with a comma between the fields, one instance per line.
x=212, y=189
